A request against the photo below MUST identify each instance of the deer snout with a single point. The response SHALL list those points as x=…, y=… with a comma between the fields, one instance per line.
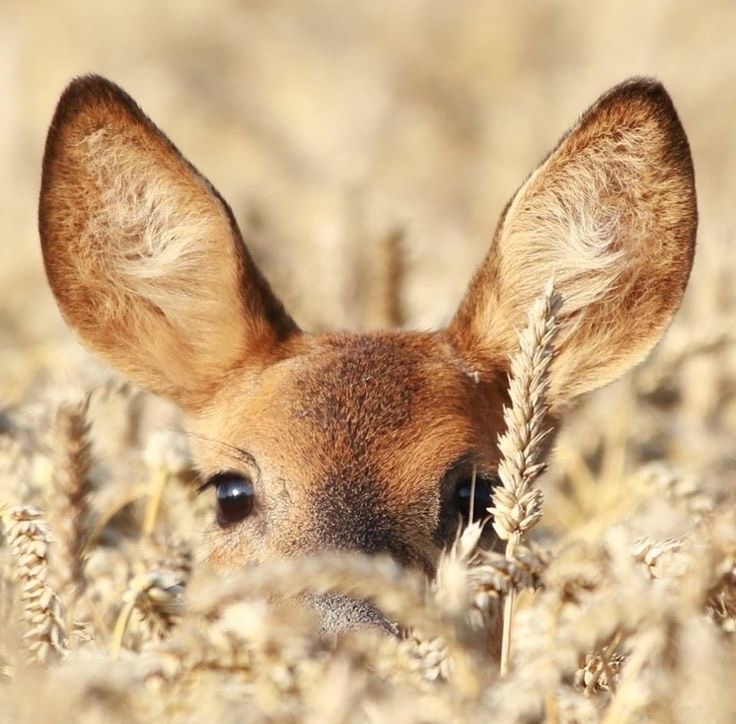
x=338, y=614
x=353, y=514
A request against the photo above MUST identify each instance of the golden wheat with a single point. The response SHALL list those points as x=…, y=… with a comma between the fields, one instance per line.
x=517, y=504
x=69, y=493
x=27, y=535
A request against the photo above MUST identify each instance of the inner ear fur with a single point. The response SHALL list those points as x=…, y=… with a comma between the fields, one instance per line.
x=143, y=255
x=611, y=216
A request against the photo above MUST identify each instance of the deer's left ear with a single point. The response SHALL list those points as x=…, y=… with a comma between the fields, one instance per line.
x=611, y=215
x=144, y=256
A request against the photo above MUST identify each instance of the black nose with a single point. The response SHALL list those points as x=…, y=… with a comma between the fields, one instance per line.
x=338, y=614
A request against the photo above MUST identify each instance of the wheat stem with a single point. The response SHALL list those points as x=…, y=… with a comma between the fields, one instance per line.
x=167, y=456
x=158, y=484
x=508, y=619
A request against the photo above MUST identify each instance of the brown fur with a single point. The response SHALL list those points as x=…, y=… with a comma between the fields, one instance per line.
x=142, y=253
x=611, y=214
x=352, y=435
x=351, y=440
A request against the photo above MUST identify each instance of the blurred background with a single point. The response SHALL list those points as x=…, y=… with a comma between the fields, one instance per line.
x=334, y=127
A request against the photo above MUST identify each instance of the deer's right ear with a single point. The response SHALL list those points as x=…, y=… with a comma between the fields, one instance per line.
x=143, y=255
x=611, y=216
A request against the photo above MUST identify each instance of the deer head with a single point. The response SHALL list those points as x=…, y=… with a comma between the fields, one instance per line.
x=363, y=441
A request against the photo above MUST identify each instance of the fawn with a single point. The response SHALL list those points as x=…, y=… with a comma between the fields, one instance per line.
x=360, y=441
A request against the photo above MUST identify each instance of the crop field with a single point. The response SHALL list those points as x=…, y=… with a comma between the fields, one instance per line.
x=367, y=151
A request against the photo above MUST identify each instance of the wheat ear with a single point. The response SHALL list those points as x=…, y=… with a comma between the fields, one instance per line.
x=28, y=541
x=517, y=503
x=69, y=506
x=158, y=595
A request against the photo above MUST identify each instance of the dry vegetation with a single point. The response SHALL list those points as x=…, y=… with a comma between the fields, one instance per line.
x=342, y=136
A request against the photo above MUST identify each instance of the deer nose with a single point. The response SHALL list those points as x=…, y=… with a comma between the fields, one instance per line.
x=338, y=614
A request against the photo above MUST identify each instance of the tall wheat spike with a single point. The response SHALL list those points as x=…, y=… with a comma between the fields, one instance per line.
x=517, y=503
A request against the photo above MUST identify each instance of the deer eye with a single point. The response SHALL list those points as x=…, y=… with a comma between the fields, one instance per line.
x=235, y=497
x=475, y=499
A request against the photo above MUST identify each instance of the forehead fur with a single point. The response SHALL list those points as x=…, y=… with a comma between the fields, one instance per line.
x=374, y=385
x=354, y=395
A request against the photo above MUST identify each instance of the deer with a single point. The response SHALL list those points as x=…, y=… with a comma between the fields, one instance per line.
x=379, y=441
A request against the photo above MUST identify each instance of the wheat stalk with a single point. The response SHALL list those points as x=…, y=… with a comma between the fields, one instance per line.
x=517, y=504
x=167, y=457
x=394, y=279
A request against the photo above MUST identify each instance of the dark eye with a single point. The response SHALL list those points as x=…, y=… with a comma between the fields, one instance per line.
x=235, y=497
x=474, y=499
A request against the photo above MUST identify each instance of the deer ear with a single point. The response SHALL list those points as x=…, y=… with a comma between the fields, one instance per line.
x=611, y=216
x=143, y=255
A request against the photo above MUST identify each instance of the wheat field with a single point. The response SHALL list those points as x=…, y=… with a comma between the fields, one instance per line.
x=341, y=133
